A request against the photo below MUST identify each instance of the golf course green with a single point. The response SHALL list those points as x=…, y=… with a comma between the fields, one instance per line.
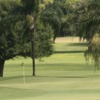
x=65, y=75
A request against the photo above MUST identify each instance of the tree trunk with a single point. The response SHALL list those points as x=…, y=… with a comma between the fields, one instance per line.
x=32, y=42
x=54, y=37
x=1, y=67
x=33, y=58
x=33, y=51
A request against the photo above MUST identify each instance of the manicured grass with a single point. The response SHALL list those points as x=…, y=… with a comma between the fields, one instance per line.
x=64, y=75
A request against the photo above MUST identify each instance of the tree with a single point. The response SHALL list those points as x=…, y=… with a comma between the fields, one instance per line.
x=93, y=24
x=76, y=12
x=10, y=38
x=88, y=21
x=93, y=51
x=16, y=33
x=54, y=14
x=88, y=27
x=31, y=9
x=85, y=18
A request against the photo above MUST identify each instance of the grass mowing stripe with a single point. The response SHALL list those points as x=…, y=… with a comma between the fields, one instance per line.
x=62, y=76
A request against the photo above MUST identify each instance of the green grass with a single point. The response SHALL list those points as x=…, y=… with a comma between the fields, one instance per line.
x=64, y=75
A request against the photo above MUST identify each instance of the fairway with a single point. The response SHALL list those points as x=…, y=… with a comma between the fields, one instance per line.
x=65, y=75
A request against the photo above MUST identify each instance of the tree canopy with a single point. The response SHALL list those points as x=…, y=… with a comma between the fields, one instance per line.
x=15, y=33
x=53, y=14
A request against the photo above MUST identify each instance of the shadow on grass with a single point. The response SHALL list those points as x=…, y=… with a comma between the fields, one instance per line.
x=78, y=44
x=61, y=76
x=79, y=51
x=73, y=48
x=12, y=77
x=44, y=76
x=75, y=77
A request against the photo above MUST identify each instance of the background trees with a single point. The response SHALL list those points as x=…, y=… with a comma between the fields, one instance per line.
x=93, y=27
x=54, y=14
x=88, y=26
x=26, y=27
x=93, y=51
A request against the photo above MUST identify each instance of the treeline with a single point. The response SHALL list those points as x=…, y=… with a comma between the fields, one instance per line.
x=28, y=26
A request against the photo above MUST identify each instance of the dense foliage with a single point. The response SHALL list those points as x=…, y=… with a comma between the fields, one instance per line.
x=91, y=25
x=93, y=51
x=16, y=34
x=83, y=19
x=26, y=27
x=53, y=14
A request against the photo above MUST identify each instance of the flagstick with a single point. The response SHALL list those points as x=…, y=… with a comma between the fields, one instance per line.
x=24, y=74
x=22, y=65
